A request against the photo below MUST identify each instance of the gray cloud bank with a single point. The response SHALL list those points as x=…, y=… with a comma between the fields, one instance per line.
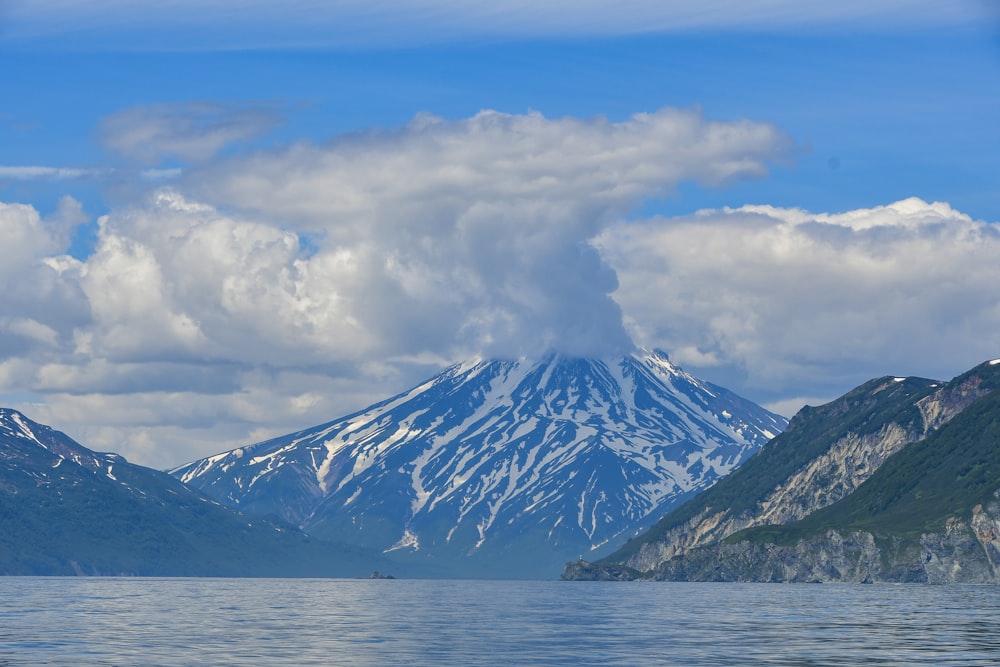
x=287, y=287
x=813, y=301
x=474, y=234
x=190, y=131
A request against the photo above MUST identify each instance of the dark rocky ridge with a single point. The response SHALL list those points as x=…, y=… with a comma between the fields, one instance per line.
x=923, y=506
x=67, y=510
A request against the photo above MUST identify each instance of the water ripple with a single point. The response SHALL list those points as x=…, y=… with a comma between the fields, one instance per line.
x=55, y=621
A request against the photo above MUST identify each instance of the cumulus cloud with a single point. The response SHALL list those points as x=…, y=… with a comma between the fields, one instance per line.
x=178, y=280
x=190, y=131
x=784, y=300
x=373, y=259
x=260, y=295
x=42, y=299
x=186, y=420
x=474, y=234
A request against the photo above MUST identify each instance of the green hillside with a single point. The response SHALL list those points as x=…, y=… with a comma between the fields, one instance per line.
x=915, y=491
x=811, y=433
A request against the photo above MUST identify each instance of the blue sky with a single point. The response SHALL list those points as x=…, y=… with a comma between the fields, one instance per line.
x=308, y=134
x=896, y=113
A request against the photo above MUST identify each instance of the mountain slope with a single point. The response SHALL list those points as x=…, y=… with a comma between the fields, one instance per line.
x=949, y=472
x=500, y=468
x=65, y=510
x=929, y=458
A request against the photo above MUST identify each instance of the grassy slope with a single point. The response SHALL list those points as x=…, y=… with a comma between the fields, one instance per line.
x=810, y=434
x=919, y=488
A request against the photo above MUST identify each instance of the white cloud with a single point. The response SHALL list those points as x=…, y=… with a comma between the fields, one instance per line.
x=25, y=237
x=21, y=173
x=191, y=131
x=203, y=320
x=428, y=244
x=42, y=299
x=31, y=329
x=188, y=420
x=266, y=23
x=474, y=234
x=794, y=301
x=178, y=280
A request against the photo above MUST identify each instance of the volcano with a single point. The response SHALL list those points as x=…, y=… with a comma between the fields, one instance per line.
x=500, y=468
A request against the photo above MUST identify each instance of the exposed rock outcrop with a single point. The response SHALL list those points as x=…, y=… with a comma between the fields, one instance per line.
x=824, y=480
x=964, y=551
x=851, y=436
x=894, y=482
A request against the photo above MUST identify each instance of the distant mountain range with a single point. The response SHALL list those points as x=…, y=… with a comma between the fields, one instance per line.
x=67, y=510
x=500, y=468
x=896, y=481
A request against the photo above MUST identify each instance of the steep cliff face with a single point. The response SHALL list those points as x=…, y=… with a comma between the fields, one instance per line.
x=939, y=408
x=962, y=551
x=824, y=455
x=824, y=480
x=898, y=486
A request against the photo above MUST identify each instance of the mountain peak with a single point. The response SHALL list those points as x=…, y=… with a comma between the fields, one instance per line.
x=69, y=510
x=494, y=460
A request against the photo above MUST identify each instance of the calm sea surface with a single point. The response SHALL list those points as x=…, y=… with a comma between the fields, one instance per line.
x=72, y=621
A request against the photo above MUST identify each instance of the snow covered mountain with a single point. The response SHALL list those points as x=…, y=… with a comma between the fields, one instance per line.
x=65, y=510
x=501, y=468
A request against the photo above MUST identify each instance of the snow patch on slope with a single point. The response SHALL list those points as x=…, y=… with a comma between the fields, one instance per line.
x=580, y=451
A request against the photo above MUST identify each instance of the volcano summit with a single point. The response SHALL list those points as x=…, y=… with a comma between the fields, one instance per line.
x=500, y=468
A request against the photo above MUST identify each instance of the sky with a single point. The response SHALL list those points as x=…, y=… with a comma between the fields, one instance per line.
x=225, y=221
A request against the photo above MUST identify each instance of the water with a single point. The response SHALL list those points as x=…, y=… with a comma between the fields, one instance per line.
x=56, y=621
